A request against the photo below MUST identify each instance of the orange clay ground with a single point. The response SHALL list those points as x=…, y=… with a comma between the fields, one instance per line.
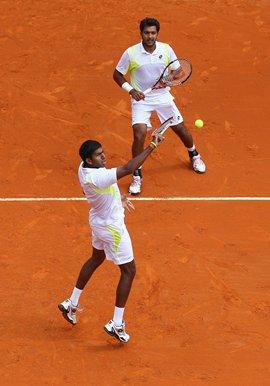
x=199, y=310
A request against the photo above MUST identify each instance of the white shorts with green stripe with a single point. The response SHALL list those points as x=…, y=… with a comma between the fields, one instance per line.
x=115, y=242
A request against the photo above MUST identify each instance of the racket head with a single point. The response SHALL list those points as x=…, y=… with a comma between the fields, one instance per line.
x=163, y=127
x=185, y=71
x=183, y=75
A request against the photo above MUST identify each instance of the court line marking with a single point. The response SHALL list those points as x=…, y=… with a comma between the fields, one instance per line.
x=33, y=199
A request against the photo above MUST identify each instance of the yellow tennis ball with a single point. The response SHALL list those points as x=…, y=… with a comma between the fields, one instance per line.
x=198, y=123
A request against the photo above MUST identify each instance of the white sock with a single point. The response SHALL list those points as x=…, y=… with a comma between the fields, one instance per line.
x=191, y=148
x=118, y=315
x=75, y=296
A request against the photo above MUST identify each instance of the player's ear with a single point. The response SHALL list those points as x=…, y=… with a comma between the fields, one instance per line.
x=89, y=161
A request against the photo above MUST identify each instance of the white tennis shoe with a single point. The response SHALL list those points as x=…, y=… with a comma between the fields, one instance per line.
x=69, y=311
x=136, y=185
x=117, y=332
x=197, y=164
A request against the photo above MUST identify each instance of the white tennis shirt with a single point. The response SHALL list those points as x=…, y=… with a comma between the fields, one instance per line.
x=145, y=68
x=102, y=192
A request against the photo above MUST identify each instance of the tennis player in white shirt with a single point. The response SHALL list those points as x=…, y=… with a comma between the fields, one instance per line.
x=145, y=63
x=110, y=238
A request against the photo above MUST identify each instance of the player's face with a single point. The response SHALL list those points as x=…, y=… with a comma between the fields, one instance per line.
x=149, y=36
x=98, y=158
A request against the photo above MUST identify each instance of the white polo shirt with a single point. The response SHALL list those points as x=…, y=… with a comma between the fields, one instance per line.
x=145, y=68
x=102, y=192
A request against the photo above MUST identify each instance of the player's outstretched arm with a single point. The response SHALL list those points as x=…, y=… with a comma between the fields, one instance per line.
x=137, y=161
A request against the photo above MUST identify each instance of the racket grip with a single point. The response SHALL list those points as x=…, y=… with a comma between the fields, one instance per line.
x=147, y=91
x=150, y=89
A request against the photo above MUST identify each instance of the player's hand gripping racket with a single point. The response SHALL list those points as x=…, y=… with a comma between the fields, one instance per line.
x=171, y=77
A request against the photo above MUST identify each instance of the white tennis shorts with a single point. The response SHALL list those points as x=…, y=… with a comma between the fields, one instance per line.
x=141, y=112
x=115, y=242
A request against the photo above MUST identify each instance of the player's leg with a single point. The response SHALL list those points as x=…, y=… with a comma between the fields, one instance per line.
x=180, y=129
x=87, y=270
x=195, y=158
x=123, y=257
x=127, y=275
x=139, y=135
x=69, y=306
x=116, y=326
x=141, y=114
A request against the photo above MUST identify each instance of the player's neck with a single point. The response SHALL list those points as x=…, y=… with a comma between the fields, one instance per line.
x=149, y=49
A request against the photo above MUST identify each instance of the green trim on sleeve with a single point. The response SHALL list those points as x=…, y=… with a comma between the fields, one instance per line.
x=133, y=66
x=167, y=53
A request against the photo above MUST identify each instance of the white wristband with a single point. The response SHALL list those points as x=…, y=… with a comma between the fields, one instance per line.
x=127, y=87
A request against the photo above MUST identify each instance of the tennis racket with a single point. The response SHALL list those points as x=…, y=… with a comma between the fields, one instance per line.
x=168, y=79
x=162, y=128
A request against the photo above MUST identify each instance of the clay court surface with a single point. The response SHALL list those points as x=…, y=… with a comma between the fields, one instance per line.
x=199, y=310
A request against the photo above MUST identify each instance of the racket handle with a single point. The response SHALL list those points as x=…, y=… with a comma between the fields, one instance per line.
x=147, y=91
x=152, y=88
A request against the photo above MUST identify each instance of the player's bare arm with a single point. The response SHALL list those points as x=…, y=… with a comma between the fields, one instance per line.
x=120, y=80
x=137, y=161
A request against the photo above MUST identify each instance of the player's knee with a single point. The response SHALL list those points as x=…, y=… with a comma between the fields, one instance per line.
x=139, y=133
x=97, y=259
x=180, y=128
x=139, y=137
x=129, y=270
x=132, y=271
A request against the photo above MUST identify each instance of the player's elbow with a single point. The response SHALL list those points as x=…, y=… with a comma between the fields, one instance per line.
x=127, y=169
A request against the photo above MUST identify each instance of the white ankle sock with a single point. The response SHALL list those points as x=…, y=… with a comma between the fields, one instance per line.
x=118, y=315
x=75, y=296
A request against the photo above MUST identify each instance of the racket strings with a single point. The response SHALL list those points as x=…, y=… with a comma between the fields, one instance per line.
x=174, y=79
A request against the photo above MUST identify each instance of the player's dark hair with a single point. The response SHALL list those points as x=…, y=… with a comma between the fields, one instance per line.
x=149, y=22
x=88, y=148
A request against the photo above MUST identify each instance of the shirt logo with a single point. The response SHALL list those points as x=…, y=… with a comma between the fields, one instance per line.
x=160, y=56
